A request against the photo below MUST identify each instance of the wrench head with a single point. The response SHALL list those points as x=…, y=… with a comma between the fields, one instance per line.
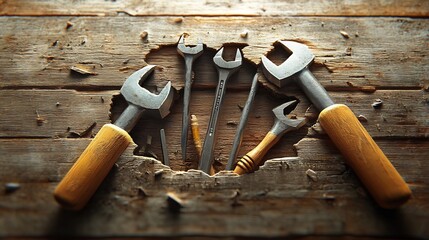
x=195, y=51
x=281, y=74
x=141, y=97
x=281, y=111
x=231, y=65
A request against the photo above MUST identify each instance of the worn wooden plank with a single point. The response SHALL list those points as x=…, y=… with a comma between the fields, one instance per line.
x=407, y=8
x=278, y=200
x=63, y=113
x=56, y=113
x=33, y=58
x=403, y=113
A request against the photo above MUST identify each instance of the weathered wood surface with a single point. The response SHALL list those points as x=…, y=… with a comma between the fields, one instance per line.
x=31, y=57
x=48, y=114
x=64, y=112
x=278, y=200
x=407, y=8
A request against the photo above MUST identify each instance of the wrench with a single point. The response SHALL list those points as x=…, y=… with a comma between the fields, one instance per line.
x=190, y=54
x=282, y=124
x=225, y=70
x=87, y=173
x=361, y=152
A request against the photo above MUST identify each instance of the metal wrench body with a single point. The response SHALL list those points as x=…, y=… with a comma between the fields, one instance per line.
x=189, y=59
x=208, y=147
x=189, y=54
x=225, y=70
x=243, y=121
x=129, y=117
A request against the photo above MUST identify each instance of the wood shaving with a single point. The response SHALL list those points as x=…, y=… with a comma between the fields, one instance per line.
x=174, y=202
x=144, y=35
x=311, y=174
x=377, y=104
x=362, y=118
x=178, y=20
x=83, y=69
x=69, y=25
x=244, y=34
x=39, y=119
x=11, y=187
x=369, y=89
x=345, y=34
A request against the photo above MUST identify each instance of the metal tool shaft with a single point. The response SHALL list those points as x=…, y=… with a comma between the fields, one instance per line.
x=313, y=89
x=243, y=121
x=208, y=147
x=165, y=158
x=186, y=100
x=129, y=117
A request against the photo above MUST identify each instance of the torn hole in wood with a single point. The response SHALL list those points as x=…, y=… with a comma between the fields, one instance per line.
x=171, y=67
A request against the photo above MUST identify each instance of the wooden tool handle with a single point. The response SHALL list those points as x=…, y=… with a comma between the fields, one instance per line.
x=91, y=168
x=250, y=162
x=364, y=156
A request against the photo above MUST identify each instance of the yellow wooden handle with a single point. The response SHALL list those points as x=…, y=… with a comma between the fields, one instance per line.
x=83, y=179
x=250, y=162
x=364, y=156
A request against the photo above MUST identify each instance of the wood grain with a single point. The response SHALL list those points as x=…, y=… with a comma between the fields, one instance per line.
x=49, y=114
x=403, y=113
x=409, y=8
x=30, y=58
x=279, y=196
x=364, y=156
x=90, y=169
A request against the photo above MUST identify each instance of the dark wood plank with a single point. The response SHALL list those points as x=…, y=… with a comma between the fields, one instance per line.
x=278, y=200
x=30, y=58
x=52, y=113
x=409, y=8
x=403, y=113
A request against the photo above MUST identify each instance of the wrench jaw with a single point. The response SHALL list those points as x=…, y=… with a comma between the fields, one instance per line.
x=233, y=65
x=167, y=94
x=281, y=75
x=194, y=51
x=141, y=97
x=284, y=124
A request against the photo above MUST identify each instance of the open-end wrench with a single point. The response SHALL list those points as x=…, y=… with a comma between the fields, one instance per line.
x=189, y=54
x=225, y=70
x=282, y=124
x=360, y=151
x=87, y=173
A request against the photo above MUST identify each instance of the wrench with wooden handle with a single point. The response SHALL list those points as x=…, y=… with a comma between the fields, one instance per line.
x=93, y=165
x=360, y=151
x=282, y=124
